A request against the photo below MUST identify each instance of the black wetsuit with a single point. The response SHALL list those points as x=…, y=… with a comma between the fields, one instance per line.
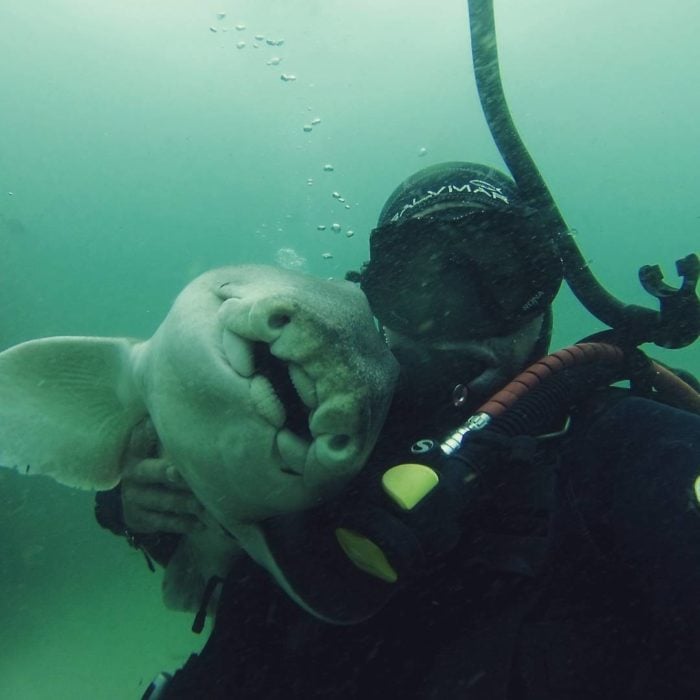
x=584, y=584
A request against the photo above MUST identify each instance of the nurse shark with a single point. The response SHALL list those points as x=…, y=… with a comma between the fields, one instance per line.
x=266, y=388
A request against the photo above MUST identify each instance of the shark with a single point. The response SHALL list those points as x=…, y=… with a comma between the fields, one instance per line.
x=265, y=387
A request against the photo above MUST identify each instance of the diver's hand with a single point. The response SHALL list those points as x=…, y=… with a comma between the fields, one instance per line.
x=155, y=498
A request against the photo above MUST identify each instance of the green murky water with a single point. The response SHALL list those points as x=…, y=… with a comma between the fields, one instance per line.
x=143, y=143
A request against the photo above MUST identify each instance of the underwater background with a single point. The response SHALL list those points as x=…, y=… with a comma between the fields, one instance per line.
x=142, y=143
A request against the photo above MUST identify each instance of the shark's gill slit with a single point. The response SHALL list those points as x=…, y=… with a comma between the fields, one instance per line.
x=277, y=372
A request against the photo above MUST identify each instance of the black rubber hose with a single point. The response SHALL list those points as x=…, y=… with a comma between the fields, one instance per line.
x=534, y=413
x=636, y=320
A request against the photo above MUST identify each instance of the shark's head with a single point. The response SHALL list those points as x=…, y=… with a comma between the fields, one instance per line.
x=267, y=388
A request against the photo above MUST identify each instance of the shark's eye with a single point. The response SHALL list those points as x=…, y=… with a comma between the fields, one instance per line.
x=277, y=373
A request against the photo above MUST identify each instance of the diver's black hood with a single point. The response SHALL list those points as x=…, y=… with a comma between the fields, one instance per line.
x=469, y=185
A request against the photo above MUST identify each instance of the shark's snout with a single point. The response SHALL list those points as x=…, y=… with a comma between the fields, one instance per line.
x=319, y=421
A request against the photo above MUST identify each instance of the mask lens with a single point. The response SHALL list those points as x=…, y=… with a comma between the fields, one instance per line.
x=480, y=275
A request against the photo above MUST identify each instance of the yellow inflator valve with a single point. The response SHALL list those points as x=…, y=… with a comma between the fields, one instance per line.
x=408, y=484
x=365, y=555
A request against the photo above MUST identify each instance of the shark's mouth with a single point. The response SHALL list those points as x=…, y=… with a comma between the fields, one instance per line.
x=277, y=372
x=316, y=405
x=284, y=395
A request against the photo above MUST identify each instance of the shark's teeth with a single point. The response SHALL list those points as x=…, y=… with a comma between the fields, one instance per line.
x=238, y=354
x=266, y=401
x=304, y=385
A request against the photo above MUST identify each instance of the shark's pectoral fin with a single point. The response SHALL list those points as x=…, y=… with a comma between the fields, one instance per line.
x=67, y=408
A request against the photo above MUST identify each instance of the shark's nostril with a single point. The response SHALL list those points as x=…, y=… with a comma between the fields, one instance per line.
x=278, y=320
x=339, y=442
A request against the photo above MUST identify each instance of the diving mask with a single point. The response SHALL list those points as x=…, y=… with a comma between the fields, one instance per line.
x=479, y=274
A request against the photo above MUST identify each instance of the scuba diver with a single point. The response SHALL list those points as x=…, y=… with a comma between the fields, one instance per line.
x=566, y=568
x=525, y=528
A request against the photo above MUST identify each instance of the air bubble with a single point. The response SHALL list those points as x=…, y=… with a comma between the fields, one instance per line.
x=289, y=259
